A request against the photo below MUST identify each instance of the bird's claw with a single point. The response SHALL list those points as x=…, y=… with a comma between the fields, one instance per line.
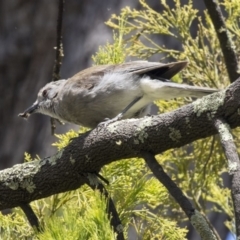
x=108, y=121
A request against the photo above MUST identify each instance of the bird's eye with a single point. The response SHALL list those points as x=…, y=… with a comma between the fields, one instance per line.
x=44, y=93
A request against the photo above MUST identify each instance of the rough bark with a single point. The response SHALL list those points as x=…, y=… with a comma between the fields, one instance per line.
x=27, y=37
x=227, y=46
x=67, y=169
x=231, y=153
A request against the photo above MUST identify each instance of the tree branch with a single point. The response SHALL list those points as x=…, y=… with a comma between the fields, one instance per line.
x=171, y=186
x=231, y=154
x=226, y=43
x=88, y=153
x=196, y=218
x=59, y=53
x=59, y=45
x=31, y=216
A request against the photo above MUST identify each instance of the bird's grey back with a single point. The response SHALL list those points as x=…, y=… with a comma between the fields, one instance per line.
x=103, y=91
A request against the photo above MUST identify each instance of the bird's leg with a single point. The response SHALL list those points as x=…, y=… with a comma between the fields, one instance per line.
x=120, y=115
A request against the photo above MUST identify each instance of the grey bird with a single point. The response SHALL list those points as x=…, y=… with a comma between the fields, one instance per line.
x=112, y=92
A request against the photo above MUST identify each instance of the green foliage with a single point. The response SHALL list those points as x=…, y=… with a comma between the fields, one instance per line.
x=15, y=226
x=202, y=51
x=82, y=216
x=112, y=53
x=142, y=202
x=232, y=22
x=137, y=194
x=197, y=167
x=64, y=139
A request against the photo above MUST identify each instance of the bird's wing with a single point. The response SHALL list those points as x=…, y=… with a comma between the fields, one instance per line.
x=153, y=69
x=89, y=77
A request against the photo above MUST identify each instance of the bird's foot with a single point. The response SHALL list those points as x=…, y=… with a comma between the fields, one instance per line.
x=108, y=121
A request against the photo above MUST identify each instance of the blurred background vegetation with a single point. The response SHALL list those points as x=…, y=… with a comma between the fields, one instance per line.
x=145, y=207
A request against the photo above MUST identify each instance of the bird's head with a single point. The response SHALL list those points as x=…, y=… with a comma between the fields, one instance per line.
x=44, y=102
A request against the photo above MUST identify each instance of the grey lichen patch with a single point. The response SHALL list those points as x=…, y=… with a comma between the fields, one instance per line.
x=28, y=185
x=209, y=116
x=222, y=29
x=187, y=120
x=53, y=160
x=113, y=126
x=119, y=228
x=232, y=167
x=87, y=158
x=238, y=111
x=202, y=227
x=209, y=104
x=225, y=132
x=230, y=43
x=21, y=175
x=175, y=134
x=93, y=180
x=12, y=185
x=72, y=161
x=140, y=135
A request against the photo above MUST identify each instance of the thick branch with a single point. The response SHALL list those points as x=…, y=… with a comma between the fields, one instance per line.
x=67, y=169
x=231, y=154
x=197, y=220
x=226, y=43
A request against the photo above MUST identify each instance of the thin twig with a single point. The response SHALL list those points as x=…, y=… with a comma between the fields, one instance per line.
x=59, y=53
x=53, y=125
x=173, y=189
x=115, y=221
x=196, y=218
x=102, y=178
x=231, y=154
x=31, y=216
x=59, y=45
x=226, y=43
x=209, y=157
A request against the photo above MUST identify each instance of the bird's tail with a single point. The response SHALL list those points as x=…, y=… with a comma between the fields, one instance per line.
x=156, y=89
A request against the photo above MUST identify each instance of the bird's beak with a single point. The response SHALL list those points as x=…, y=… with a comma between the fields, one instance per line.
x=29, y=111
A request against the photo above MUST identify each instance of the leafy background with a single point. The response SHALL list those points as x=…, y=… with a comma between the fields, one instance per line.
x=145, y=207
